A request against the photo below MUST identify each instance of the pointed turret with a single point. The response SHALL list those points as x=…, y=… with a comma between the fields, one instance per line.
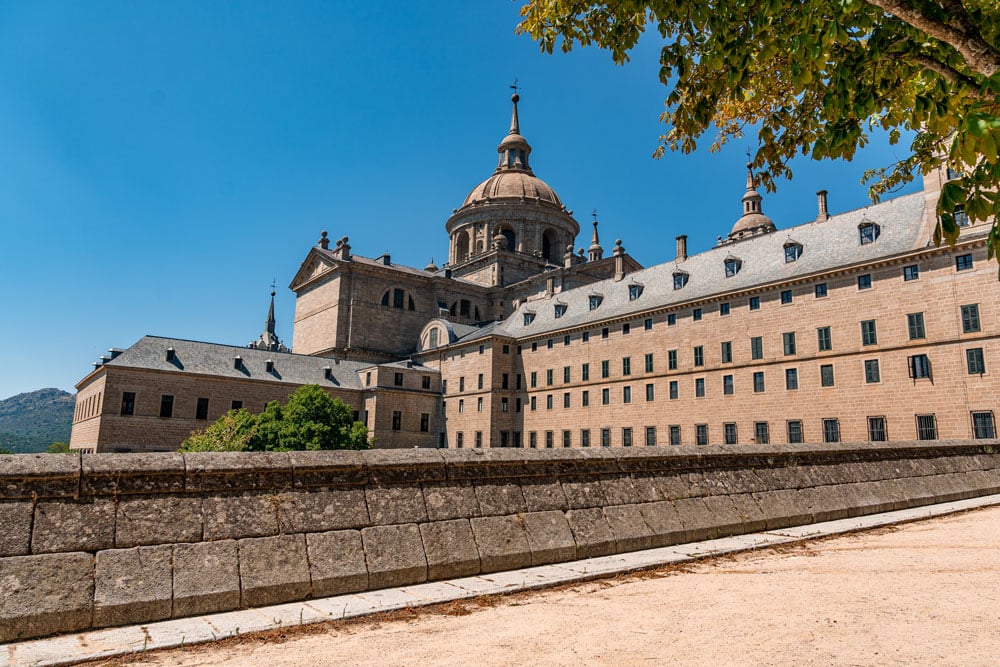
x=595, y=252
x=268, y=339
x=753, y=221
x=514, y=149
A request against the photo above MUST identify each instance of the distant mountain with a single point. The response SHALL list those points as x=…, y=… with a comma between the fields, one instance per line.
x=31, y=422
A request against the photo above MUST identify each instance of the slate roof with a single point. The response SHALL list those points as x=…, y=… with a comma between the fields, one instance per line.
x=826, y=245
x=199, y=358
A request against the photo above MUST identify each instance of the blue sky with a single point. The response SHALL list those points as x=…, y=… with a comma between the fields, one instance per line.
x=162, y=162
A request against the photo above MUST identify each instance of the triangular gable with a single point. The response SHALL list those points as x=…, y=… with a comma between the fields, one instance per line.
x=316, y=264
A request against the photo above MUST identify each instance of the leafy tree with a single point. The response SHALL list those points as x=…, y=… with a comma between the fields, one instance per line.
x=60, y=448
x=310, y=420
x=4, y=450
x=815, y=77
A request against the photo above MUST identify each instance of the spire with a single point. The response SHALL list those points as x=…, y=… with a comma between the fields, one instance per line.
x=595, y=252
x=515, y=126
x=269, y=325
x=268, y=339
x=514, y=149
x=753, y=221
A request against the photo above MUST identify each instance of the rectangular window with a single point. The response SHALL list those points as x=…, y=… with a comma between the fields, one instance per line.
x=675, y=435
x=626, y=394
x=672, y=360
x=699, y=355
x=479, y=381
x=626, y=329
x=585, y=337
x=566, y=439
x=724, y=309
x=911, y=272
x=786, y=296
x=548, y=344
x=699, y=387
x=869, y=335
x=605, y=332
x=236, y=405
x=915, y=324
x=504, y=404
x=479, y=439
x=696, y=314
x=533, y=382
x=974, y=361
x=566, y=400
x=756, y=347
x=458, y=439
x=128, y=403
x=755, y=303
x=648, y=324
x=605, y=437
x=397, y=420
x=649, y=391
x=627, y=436
x=533, y=405
x=821, y=290
x=963, y=262
x=605, y=396
x=626, y=365
x=920, y=366
x=729, y=433
x=425, y=381
x=758, y=382
x=926, y=427
x=872, y=374
x=671, y=319
x=673, y=390
x=970, y=318
x=649, y=362
x=504, y=381
x=585, y=372
x=831, y=430
x=548, y=377
x=865, y=281
x=876, y=429
x=983, y=425
x=201, y=409
x=505, y=438
x=585, y=437
x=794, y=431
x=548, y=440
x=548, y=401
x=566, y=374
x=566, y=340
x=585, y=398
x=791, y=378
x=761, y=433
x=479, y=404
x=823, y=339
x=425, y=422
x=397, y=379
x=605, y=368
x=461, y=406
x=727, y=352
x=532, y=439
x=701, y=434
x=788, y=342
x=651, y=436
x=826, y=375
x=166, y=406
x=727, y=385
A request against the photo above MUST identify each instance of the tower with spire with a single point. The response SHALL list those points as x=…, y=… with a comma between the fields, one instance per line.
x=268, y=339
x=753, y=222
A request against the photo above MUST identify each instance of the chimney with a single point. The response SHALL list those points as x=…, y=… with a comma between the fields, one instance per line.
x=682, y=247
x=386, y=259
x=823, y=214
x=619, y=255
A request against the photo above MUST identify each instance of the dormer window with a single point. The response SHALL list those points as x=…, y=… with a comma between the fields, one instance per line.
x=269, y=366
x=634, y=291
x=680, y=279
x=793, y=251
x=237, y=362
x=170, y=354
x=528, y=318
x=732, y=264
x=560, y=309
x=868, y=232
x=595, y=301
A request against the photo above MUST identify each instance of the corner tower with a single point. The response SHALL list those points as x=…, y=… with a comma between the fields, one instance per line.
x=512, y=225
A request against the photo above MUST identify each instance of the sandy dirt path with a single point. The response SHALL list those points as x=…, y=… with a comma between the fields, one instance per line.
x=924, y=593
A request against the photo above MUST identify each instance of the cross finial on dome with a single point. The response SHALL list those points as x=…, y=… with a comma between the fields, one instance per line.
x=515, y=126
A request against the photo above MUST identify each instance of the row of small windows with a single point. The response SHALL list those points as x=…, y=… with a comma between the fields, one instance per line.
x=983, y=427
x=88, y=407
x=167, y=405
x=398, y=298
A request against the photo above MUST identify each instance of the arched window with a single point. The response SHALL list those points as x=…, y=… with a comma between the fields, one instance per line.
x=548, y=244
x=461, y=246
x=511, y=238
x=432, y=339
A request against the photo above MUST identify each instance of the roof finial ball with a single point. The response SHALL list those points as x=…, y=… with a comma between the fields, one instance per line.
x=324, y=242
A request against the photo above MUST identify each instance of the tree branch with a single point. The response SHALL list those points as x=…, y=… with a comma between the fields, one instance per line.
x=949, y=73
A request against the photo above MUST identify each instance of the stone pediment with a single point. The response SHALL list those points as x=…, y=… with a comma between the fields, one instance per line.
x=317, y=263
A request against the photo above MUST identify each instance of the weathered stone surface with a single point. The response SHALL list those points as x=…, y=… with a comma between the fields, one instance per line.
x=542, y=495
x=394, y=555
x=235, y=517
x=723, y=513
x=157, y=520
x=502, y=543
x=450, y=500
x=328, y=469
x=404, y=466
x=124, y=474
x=629, y=528
x=674, y=485
x=63, y=526
x=237, y=471
x=45, y=594
x=308, y=511
x=273, y=570
x=826, y=503
x=450, y=549
x=646, y=488
x=783, y=508
x=133, y=585
x=15, y=528
x=620, y=490
x=403, y=503
x=206, y=578
x=499, y=499
x=583, y=491
x=698, y=520
x=30, y=476
x=748, y=513
x=664, y=523
x=549, y=537
x=336, y=562
x=591, y=532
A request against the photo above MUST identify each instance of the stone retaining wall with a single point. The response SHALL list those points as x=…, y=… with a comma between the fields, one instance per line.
x=110, y=539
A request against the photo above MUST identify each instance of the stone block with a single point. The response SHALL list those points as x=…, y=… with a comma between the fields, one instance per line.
x=273, y=570
x=583, y=491
x=336, y=562
x=629, y=528
x=394, y=504
x=985, y=482
x=502, y=543
x=674, y=485
x=328, y=469
x=157, y=520
x=549, y=537
x=723, y=512
x=208, y=472
x=45, y=594
x=749, y=513
x=314, y=511
x=64, y=526
x=394, y=555
x=206, y=578
x=783, y=508
x=828, y=503
x=698, y=483
x=503, y=498
x=133, y=585
x=591, y=532
x=125, y=474
x=664, y=523
x=542, y=495
x=450, y=500
x=404, y=466
x=647, y=488
x=30, y=476
x=619, y=490
x=235, y=517
x=15, y=528
x=450, y=549
x=698, y=520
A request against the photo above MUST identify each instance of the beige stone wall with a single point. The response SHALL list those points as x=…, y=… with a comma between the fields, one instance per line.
x=90, y=402
x=316, y=316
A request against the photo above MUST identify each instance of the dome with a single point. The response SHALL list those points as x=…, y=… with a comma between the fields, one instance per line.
x=512, y=185
x=753, y=221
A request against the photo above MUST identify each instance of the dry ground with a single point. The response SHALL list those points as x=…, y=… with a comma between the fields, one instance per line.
x=925, y=593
